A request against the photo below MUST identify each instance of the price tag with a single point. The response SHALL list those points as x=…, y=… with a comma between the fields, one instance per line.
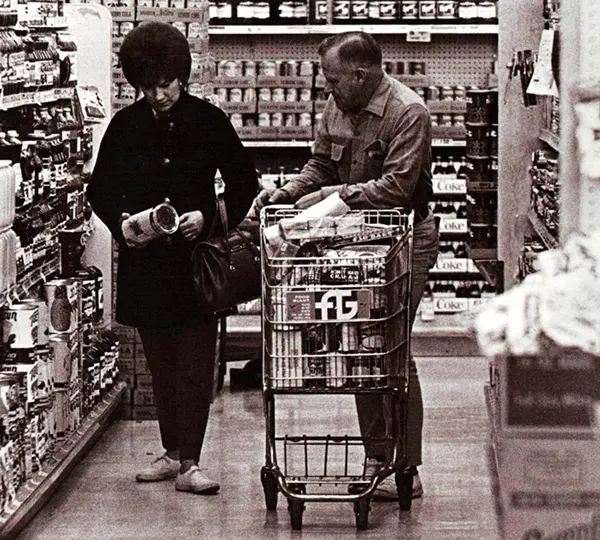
x=418, y=36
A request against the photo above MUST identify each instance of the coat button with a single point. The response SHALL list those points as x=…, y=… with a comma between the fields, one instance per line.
x=166, y=162
x=171, y=126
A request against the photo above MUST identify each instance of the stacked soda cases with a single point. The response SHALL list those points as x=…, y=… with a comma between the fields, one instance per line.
x=139, y=401
x=352, y=11
x=482, y=173
x=189, y=16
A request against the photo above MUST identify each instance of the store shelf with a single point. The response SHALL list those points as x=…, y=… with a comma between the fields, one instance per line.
x=320, y=29
x=549, y=240
x=35, y=98
x=307, y=144
x=550, y=138
x=29, y=280
x=37, y=490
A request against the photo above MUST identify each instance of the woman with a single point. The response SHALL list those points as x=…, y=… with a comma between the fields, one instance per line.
x=169, y=145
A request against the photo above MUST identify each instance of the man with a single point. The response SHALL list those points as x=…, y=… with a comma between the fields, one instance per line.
x=373, y=146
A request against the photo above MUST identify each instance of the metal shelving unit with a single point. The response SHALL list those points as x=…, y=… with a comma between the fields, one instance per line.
x=38, y=489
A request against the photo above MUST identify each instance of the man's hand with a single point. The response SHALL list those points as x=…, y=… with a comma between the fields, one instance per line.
x=313, y=198
x=270, y=196
x=191, y=225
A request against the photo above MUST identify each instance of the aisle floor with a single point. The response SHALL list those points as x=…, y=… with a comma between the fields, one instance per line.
x=101, y=500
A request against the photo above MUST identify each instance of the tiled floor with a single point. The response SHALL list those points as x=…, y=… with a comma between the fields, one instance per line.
x=100, y=500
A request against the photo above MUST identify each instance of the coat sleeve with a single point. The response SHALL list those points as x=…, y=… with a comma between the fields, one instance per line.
x=106, y=189
x=238, y=172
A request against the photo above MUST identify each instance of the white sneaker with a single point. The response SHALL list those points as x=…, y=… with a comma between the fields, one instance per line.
x=162, y=468
x=386, y=491
x=196, y=481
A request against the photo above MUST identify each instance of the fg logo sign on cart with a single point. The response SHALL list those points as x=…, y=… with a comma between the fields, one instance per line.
x=329, y=305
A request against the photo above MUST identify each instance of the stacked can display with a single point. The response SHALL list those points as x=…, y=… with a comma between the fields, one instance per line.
x=482, y=169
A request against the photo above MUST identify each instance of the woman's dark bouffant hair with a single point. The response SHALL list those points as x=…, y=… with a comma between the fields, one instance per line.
x=155, y=52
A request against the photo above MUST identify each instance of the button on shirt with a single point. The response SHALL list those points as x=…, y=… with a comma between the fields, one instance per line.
x=380, y=158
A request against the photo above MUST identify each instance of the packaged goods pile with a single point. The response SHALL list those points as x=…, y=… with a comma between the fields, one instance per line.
x=335, y=291
x=558, y=303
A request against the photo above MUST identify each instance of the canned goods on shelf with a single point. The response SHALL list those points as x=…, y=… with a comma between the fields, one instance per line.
x=249, y=68
x=233, y=68
x=20, y=324
x=460, y=93
x=433, y=93
x=305, y=94
x=276, y=119
x=341, y=9
x=387, y=9
x=458, y=120
x=289, y=68
x=427, y=9
x=416, y=68
x=264, y=94
x=446, y=9
x=305, y=69
x=264, y=119
x=64, y=304
x=222, y=94
x=373, y=10
x=181, y=26
x=222, y=68
x=235, y=95
x=267, y=68
x=249, y=95
x=434, y=120
x=305, y=119
x=278, y=94
x=289, y=119
x=444, y=120
x=236, y=120
x=359, y=9
x=446, y=93
x=125, y=28
x=409, y=9
x=195, y=30
x=291, y=94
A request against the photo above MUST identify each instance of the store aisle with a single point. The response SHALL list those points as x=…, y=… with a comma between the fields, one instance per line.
x=100, y=500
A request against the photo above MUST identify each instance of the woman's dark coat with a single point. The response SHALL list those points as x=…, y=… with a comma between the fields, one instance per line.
x=141, y=161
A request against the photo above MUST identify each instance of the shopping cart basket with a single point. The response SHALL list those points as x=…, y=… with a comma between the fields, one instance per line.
x=335, y=320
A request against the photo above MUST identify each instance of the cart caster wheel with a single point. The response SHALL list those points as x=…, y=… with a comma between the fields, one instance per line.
x=404, y=483
x=270, y=488
x=296, y=509
x=361, y=511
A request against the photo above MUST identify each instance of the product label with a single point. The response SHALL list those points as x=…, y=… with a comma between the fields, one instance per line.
x=335, y=304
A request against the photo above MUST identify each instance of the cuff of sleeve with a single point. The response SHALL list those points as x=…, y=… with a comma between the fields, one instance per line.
x=329, y=190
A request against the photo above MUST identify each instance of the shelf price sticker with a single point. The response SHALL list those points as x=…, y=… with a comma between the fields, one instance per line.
x=418, y=36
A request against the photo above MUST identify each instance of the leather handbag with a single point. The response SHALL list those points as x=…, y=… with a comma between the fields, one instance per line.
x=226, y=268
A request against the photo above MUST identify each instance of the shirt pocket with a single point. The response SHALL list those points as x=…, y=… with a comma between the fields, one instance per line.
x=337, y=152
x=375, y=154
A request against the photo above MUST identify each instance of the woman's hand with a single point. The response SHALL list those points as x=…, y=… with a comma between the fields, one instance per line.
x=191, y=225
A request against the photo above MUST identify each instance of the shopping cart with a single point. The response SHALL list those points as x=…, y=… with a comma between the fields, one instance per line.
x=335, y=320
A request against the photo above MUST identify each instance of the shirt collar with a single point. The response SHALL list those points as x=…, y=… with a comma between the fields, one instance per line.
x=380, y=97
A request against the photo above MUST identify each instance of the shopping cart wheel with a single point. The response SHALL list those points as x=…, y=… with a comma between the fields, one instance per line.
x=361, y=511
x=404, y=483
x=270, y=488
x=296, y=509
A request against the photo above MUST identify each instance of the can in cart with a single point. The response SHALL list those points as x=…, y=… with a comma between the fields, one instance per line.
x=348, y=337
x=64, y=302
x=336, y=370
x=286, y=360
x=20, y=326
